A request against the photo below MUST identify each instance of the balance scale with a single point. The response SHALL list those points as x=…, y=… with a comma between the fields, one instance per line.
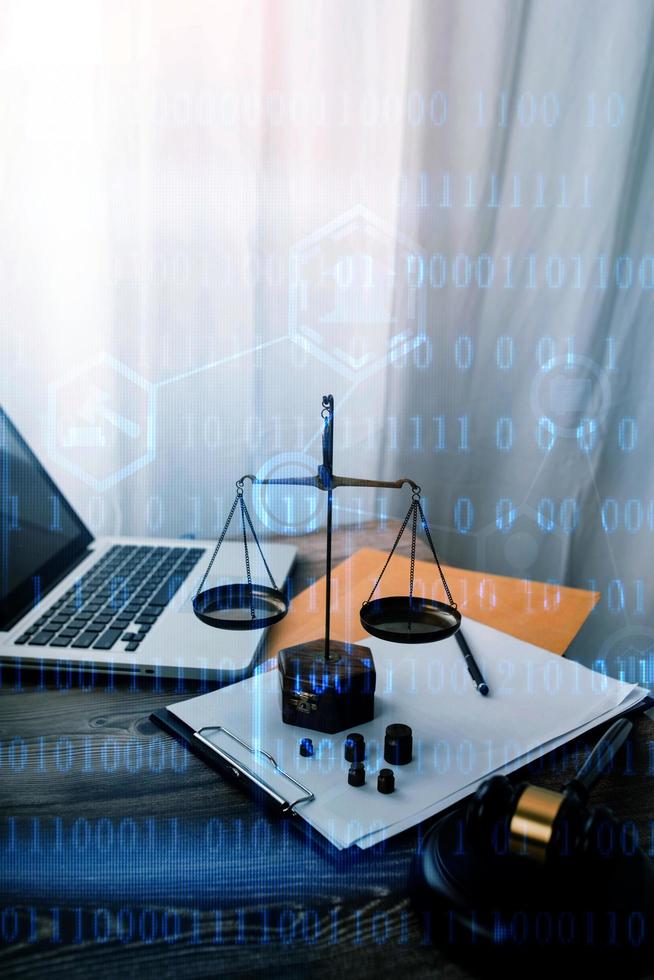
x=328, y=685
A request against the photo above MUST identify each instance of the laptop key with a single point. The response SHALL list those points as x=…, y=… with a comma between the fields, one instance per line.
x=168, y=589
x=84, y=640
x=130, y=647
x=21, y=639
x=107, y=640
x=70, y=632
x=95, y=628
x=42, y=638
x=60, y=641
x=145, y=620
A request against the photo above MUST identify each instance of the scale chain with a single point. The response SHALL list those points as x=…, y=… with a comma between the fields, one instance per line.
x=413, y=551
x=245, y=516
x=217, y=548
x=247, y=559
x=433, y=550
x=413, y=511
x=256, y=541
x=392, y=551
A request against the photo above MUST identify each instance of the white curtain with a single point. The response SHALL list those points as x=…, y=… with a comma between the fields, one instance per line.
x=213, y=213
x=160, y=161
x=531, y=425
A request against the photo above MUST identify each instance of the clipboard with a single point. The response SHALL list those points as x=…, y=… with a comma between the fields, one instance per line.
x=228, y=729
x=266, y=796
x=233, y=769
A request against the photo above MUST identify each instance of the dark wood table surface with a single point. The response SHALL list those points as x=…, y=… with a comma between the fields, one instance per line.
x=123, y=855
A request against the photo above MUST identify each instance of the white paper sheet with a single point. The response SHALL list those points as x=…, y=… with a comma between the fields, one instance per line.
x=537, y=701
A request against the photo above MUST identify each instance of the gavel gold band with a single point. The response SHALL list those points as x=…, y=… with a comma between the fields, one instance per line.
x=531, y=825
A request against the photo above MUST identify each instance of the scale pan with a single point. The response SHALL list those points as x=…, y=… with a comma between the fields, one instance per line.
x=229, y=607
x=401, y=620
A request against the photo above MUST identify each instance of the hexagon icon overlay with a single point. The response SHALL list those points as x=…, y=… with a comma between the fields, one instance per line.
x=568, y=390
x=101, y=424
x=355, y=296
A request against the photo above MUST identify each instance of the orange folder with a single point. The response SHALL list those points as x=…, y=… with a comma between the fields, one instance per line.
x=546, y=615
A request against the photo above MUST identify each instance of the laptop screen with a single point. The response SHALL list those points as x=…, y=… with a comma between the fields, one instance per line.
x=41, y=537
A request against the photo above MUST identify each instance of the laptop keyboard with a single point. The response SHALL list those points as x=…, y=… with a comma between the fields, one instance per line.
x=119, y=598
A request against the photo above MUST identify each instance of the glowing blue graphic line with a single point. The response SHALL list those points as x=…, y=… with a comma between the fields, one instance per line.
x=223, y=360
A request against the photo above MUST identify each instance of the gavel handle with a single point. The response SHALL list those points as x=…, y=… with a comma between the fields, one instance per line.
x=600, y=759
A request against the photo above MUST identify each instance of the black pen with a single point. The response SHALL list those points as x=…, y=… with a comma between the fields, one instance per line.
x=471, y=664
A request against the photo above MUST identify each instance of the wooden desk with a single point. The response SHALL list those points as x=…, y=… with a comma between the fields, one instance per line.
x=122, y=855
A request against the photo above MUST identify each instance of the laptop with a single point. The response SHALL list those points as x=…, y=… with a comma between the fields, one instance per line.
x=119, y=605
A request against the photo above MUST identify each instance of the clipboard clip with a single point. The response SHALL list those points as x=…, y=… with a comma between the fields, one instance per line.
x=241, y=769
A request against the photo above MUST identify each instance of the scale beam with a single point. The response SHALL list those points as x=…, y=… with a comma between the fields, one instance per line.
x=336, y=481
x=285, y=481
x=352, y=481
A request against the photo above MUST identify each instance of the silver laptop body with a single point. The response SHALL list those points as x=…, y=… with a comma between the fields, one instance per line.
x=45, y=619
